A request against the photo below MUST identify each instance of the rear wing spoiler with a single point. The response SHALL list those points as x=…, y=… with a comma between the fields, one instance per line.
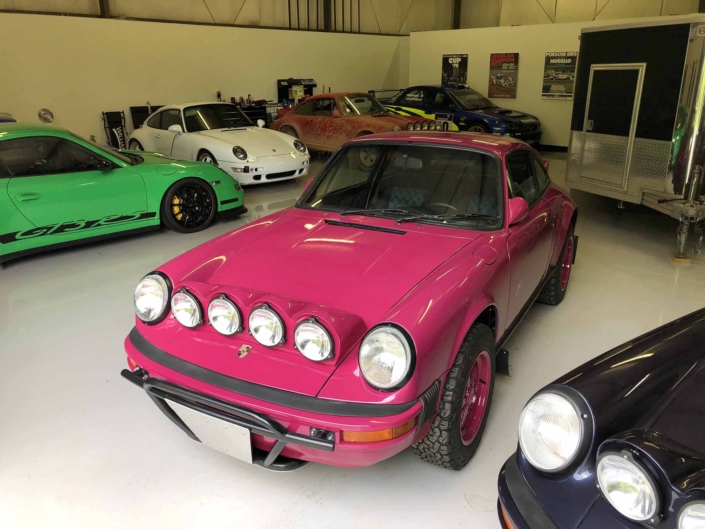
x=389, y=91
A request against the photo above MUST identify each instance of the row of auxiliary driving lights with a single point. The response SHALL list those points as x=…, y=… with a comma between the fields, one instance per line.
x=152, y=294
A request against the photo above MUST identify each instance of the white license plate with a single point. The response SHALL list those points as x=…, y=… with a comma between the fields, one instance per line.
x=218, y=434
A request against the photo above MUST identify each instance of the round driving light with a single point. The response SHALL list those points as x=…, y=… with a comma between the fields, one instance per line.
x=224, y=316
x=424, y=125
x=313, y=341
x=417, y=126
x=151, y=298
x=550, y=432
x=385, y=357
x=432, y=125
x=240, y=153
x=410, y=126
x=397, y=128
x=628, y=486
x=692, y=517
x=299, y=146
x=186, y=309
x=266, y=326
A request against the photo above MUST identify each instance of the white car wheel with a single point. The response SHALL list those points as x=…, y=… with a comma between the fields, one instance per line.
x=135, y=146
x=207, y=157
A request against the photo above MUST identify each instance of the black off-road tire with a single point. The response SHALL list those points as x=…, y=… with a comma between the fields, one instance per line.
x=442, y=445
x=551, y=293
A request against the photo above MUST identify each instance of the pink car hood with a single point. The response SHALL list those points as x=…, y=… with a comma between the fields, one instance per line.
x=348, y=272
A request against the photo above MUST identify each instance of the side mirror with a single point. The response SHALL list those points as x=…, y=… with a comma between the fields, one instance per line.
x=261, y=123
x=518, y=210
x=175, y=128
x=545, y=164
x=335, y=113
x=306, y=186
x=101, y=164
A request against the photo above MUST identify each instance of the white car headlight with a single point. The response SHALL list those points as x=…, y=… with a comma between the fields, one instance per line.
x=385, y=357
x=299, y=146
x=692, y=516
x=224, y=316
x=186, y=309
x=152, y=298
x=550, y=432
x=410, y=126
x=417, y=126
x=628, y=486
x=313, y=341
x=266, y=326
x=240, y=153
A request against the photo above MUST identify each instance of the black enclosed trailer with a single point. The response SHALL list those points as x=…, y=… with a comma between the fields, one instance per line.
x=637, y=126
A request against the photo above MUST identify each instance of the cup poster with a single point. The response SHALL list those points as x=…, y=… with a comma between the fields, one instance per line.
x=559, y=75
x=504, y=72
x=455, y=69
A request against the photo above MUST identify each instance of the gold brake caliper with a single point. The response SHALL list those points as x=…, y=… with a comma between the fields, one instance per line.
x=176, y=208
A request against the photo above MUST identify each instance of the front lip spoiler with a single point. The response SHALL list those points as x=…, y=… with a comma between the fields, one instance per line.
x=160, y=391
x=265, y=393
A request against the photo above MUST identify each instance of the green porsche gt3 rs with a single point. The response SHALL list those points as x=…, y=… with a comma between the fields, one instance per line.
x=58, y=189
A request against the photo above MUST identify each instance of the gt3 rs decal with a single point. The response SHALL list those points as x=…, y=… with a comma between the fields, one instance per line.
x=74, y=225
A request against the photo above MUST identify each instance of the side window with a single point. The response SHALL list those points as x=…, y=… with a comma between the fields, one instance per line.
x=169, y=118
x=305, y=110
x=521, y=177
x=45, y=155
x=412, y=98
x=541, y=175
x=154, y=120
x=323, y=107
x=443, y=101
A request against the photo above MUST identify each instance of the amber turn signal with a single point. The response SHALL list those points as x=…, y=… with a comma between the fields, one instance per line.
x=380, y=435
x=506, y=519
x=131, y=363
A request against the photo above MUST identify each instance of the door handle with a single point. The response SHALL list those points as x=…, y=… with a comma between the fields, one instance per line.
x=27, y=197
x=157, y=136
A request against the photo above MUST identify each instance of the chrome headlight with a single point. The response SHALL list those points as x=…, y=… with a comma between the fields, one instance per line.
x=439, y=125
x=628, y=486
x=313, y=341
x=417, y=126
x=186, y=309
x=424, y=125
x=692, y=516
x=299, y=146
x=550, y=432
x=385, y=357
x=397, y=128
x=266, y=326
x=432, y=125
x=410, y=126
x=224, y=316
x=152, y=298
x=240, y=153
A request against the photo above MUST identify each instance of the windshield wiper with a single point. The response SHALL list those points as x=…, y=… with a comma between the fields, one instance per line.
x=458, y=216
x=380, y=211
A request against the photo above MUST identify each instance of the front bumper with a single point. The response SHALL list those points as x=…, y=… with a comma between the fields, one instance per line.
x=517, y=506
x=288, y=417
x=268, y=169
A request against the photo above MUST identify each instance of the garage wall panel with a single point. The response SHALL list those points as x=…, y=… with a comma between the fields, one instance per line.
x=78, y=7
x=79, y=67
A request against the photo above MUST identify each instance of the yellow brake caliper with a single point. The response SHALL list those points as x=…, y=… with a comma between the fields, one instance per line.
x=176, y=208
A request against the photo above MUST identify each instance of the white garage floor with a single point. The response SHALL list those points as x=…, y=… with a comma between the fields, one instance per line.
x=82, y=448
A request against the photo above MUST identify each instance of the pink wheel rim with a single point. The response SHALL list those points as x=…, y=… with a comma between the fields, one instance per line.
x=567, y=264
x=475, y=398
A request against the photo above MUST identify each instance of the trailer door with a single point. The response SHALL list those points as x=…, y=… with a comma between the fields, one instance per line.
x=614, y=95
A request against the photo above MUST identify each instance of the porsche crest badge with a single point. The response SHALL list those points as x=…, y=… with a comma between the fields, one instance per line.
x=244, y=350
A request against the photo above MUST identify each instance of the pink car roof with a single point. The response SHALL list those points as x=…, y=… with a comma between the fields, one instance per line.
x=487, y=142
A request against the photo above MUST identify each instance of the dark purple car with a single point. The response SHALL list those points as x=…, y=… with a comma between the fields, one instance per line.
x=617, y=443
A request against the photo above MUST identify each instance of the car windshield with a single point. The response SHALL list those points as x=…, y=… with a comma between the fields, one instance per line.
x=124, y=157
x=216, y=116
x=359, y=105
x=471, y=100
x=430, y=184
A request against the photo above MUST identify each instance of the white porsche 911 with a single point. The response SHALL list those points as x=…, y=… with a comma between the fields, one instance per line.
x=221, y=134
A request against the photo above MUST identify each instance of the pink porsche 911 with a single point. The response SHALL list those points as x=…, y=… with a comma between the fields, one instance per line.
x=366, y=318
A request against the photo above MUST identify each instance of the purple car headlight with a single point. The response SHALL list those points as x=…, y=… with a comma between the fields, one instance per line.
x=313, y=341
x=628, y=486
x=151, y=298
x=692, y=516
x=385, y=357
x=224, y=316
x=266, y=326
x=186, y=309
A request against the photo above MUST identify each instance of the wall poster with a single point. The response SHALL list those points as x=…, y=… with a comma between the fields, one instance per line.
x=559, y=75
x=504, y=72
x=455, y=69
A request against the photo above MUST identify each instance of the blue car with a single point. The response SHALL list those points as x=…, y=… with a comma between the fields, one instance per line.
x=618, y=443
x=467, y=109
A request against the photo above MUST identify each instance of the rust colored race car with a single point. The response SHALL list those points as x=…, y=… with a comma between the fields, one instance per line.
x=324, y=122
